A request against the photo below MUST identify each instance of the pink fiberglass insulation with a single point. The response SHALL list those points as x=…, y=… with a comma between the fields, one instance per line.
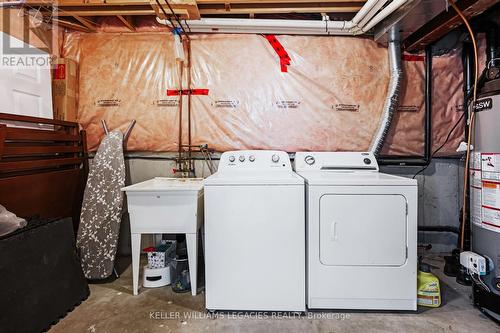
x=331, y=98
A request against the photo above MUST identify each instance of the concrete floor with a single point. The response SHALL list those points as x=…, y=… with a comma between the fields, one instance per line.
x=111, y=307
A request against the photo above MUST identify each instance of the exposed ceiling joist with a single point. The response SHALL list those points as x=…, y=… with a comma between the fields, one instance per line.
x=127, y=21
x=192, y=9
x=444, y=23
x=282, y=2
x=187, y=9
x=86, y=22
x=71, y=25
x=105, y=10
x=276, y=10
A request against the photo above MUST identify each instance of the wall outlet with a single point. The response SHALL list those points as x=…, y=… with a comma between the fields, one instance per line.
x=474, y=262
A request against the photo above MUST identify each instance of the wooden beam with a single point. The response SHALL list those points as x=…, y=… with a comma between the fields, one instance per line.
x=192, y=9
x=188, y=5
x=127, y=21
x=277, y=10
x=444, y=23
x=86, y=22
x=36, y=2
x=105, y=10
x=184, y=10
x=272, y=11
x=70, y=25
x=203, y=2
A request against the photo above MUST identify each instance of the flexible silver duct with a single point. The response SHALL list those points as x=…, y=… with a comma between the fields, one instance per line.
x=393, y=93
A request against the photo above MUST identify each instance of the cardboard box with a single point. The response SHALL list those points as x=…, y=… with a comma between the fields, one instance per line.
x=64, y=89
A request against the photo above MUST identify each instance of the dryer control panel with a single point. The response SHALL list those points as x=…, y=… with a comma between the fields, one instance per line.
x=335, y=161
x=254, y=160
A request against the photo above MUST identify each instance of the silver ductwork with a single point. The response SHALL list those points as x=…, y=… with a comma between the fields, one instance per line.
x=393, y=93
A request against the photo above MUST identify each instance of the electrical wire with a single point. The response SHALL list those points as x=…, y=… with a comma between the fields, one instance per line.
x=175, y=16
x=187, y=25
x=477, y=279
x=470, y=121
x=440, y=147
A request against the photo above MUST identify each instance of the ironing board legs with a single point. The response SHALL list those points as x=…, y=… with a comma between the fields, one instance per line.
x=192, y=248
x=136, y=256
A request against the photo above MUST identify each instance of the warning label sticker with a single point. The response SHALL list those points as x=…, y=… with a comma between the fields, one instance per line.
x=475, y=161
x=475, y=196
x=287, y=104
x=475, y=178
x=232, y=104
x=490, y=198
x=490, y=166
x=169, y=103
x=491, y=219
x=346, y=107
x=475, y=206
x=408, y=108
x=108, y=102
x=491, y=194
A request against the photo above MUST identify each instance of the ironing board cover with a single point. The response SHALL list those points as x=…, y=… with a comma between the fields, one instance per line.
x=101, y=209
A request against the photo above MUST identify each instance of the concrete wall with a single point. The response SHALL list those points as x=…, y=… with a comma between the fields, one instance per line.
x=440, y=199
x=439, y=194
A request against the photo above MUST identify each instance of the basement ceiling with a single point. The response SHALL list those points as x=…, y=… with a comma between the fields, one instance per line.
x=82, y=14
x=421, y=22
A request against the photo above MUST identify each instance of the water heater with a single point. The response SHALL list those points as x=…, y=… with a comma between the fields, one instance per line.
x=485, y=195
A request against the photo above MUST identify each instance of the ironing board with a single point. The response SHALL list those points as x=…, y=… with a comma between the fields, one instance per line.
x=100, y=217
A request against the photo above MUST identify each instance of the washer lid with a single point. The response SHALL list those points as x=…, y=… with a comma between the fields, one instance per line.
x=254, y=178
x=166, y=184
x=318, y=178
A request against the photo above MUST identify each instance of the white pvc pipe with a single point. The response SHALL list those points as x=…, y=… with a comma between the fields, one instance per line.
x=364, y=10
x=364, y=20
x=395, y=4
x=371, y=13
x=300, y=27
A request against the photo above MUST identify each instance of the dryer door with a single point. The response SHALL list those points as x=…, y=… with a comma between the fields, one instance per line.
x=363, y=229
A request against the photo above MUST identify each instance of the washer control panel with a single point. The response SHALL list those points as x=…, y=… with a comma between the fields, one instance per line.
x=255, y=160
x=335, y=161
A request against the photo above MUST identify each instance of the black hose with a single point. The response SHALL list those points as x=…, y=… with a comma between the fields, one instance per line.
x=438, y=228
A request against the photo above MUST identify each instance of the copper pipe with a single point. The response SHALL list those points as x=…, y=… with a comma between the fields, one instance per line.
x=180, y=116
x=188, y=42
x=470, y=122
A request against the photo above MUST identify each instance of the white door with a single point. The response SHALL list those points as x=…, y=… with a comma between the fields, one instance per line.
x=25, y=90
x=363, y=230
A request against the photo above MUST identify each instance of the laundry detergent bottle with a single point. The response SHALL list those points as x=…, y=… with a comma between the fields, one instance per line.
x=428, y=290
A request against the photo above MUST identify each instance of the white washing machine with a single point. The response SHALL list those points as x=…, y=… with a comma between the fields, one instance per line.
x=255, y=233
x=361, y=233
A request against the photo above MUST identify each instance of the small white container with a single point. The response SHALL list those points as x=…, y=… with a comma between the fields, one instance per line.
x=156, y=277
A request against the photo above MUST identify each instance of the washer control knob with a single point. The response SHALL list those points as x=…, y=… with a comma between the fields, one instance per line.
x=310, y=160
x=251, y=158
x=242, y=158
x=275, y=158
x=367, y=161
x=231, y=158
